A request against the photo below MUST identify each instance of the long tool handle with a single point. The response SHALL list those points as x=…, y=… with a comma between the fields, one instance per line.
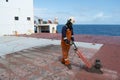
x=81, y=56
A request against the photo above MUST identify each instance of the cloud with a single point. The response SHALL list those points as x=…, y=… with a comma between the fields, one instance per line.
x=46, y=14
x=81, y=17
x=92, y=17
x=40, y=9
x=101, y=15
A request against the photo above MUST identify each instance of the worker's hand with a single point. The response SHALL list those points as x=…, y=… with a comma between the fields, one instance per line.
x=67, y=41
x=75, y=47
x=71, y=42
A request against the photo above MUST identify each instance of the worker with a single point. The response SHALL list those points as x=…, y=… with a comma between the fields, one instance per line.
x=66, y=41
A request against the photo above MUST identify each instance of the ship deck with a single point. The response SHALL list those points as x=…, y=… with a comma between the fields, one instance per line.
x=37, y=57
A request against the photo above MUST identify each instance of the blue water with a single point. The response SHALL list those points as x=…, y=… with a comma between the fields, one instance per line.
x=108, y=30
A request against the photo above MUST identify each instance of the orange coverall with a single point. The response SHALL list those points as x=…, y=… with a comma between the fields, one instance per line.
x=66, y=33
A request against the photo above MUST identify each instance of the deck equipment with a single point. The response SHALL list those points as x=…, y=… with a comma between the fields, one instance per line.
x=94, y=68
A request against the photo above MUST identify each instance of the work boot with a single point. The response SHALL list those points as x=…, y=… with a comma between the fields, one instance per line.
x=69, y=66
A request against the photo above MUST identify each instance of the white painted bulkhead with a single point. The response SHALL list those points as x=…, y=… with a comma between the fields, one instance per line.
x=21, y=9
x=50, y=28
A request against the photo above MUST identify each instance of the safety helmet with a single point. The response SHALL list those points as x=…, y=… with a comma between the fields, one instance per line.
x=71, y=19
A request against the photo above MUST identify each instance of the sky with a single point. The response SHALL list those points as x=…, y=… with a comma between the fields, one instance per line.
x=84, y=11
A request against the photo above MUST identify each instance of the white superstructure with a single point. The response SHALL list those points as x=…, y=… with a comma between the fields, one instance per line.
x=47, y=28
x=16, y=16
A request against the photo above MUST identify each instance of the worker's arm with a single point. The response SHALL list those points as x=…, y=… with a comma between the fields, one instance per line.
x=64, y=33
x=64, y=29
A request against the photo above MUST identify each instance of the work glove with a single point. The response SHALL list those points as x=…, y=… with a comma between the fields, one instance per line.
x=71, y=42
x=67, y=41
x=75, y=47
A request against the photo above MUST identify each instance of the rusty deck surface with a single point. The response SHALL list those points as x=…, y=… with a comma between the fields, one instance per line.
x=43, y=63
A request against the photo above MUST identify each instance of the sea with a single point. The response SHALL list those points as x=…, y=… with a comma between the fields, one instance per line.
x=105, y=30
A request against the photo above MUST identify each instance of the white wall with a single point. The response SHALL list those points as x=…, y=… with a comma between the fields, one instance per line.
x=51, y=28
x=12, y=8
